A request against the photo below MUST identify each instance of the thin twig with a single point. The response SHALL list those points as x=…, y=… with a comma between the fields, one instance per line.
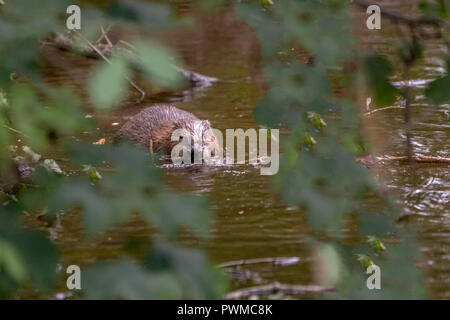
x=277, y=260
x=15, y=130
x=407, y=116
x=370, y=161
x=128, y=45
x=94, y=48
x=105, y=36
x=381, y=109
x=430, y=181
x=419, y=159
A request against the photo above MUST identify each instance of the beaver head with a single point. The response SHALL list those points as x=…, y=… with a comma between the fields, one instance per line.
x=173, y=133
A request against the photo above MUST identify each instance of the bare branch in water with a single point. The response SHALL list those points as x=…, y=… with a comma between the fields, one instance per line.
x=274, y=288
x=370, y=161
x=65, y=43
x=277, y=260
x=367, y=114
x=400, y=18
x=418, y=159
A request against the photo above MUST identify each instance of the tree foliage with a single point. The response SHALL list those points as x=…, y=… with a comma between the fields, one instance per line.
x=318, y=171
x=44, y=117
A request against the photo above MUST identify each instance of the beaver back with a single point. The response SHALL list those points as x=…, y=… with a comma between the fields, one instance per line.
x=142, y=127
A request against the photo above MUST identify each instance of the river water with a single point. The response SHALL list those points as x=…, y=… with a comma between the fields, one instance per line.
x=250, y=222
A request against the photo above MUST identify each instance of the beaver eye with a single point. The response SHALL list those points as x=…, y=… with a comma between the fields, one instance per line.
x=181, y=137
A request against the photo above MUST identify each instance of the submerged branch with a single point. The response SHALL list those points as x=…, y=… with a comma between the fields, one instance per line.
x=370, y=161
x=367, y=114
x=274, y=288
x=418, y=159
x=400, y=18
x=64, y=43
x=407, y=117
x=277, y=260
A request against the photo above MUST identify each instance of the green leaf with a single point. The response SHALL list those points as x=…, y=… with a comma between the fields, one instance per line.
x=108, y=85
x=201, y=280
x=153, y=15
x=157, y=64
x=125, y=279
x=171, y=212
x=25, y=107
x=11, y=261
x=378, y=69
x=405, y=282
x=329, y=264
x=435, y=9
x=266, y=3
x=92, y=173
x=375, y=224
x=40, y=257
x=98, y=211
x=33, y=251
x=309, y=139
x=364, y=260
x=438, y=91
x=316, y=120
x=353, y=142
x=376, y=243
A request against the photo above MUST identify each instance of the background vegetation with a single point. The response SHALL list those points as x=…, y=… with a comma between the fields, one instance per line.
x=318, y=171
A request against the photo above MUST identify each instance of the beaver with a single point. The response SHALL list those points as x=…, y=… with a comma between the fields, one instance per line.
x=152, y=129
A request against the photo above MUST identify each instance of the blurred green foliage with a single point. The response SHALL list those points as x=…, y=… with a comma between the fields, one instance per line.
x=26, y=257
x=108, y=83
x=40, y=117
x=318, y=171
x=438, y=91
x=379, y=69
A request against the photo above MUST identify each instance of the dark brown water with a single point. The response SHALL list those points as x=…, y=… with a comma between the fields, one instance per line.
x=249, y=220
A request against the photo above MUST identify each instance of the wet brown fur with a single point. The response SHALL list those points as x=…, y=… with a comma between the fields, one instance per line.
x=152, y=127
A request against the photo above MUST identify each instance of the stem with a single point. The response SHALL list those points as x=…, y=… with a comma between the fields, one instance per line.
x=409, y=148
